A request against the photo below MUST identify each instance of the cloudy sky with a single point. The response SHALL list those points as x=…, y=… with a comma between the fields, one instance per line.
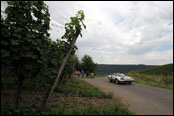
x=119, y=32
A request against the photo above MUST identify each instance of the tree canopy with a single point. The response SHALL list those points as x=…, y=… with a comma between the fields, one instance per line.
x=87, y=64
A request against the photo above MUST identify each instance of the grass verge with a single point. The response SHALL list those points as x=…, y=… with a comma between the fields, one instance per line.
x=96, y=75
x=75, y=97
x=161, y=81
x=80, y=88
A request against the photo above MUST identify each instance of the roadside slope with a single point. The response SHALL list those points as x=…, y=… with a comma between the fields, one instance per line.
x=157, y=70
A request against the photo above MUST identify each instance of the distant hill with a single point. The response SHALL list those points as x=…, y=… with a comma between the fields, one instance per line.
x=164, y=70
x=109, y=69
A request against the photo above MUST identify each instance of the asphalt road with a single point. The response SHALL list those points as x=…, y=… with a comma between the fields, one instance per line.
x=142, y=99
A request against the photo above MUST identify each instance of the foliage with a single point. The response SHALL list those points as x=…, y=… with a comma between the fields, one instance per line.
x=88, y=64
x=27, y=52
x=74, y=27
x=9, y=109
x=78, y=65
x=72, y=30
x=22, y=36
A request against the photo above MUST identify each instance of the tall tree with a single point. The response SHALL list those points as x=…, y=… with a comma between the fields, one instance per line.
x=88, y=64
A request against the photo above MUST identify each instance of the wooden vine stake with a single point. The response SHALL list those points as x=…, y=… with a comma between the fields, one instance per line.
x=75, y=23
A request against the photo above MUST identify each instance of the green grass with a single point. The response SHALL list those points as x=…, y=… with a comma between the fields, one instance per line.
x=96, y=75
x=90, y=76
x=75, y=97
x=76, y=87
x=90, y=109
x=101, y=75
x=159, y=76
x=157, y=70
x=161, y=81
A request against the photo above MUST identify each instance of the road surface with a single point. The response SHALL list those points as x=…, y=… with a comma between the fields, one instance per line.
x=142, y=99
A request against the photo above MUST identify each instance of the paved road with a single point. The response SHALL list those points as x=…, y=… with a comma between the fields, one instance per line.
x=141, y=98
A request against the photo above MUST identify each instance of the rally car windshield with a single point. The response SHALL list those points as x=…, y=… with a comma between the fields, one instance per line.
x=120, y=75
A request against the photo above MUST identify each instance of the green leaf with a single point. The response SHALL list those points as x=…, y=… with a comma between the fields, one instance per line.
x=4, y=42
x=18, y=29
x=29, y=66
x=17, y=35
x=54, y=71
x=54, y=61
x=15, y=42
x=84, y=25
x=4, y=53
x=39, y=61
x=38, y=48
x=80, y=35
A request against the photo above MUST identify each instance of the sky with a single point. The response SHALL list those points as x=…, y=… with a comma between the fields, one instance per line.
x=118, y=32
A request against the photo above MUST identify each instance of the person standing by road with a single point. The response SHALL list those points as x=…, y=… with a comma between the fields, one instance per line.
x=78, y=73
x=82, y=72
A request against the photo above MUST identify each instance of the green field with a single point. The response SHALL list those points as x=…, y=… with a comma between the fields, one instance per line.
x=160, y=76
x=158, y=70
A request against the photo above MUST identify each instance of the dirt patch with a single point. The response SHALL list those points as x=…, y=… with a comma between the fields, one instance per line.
x=7, y=95
x=104, y=88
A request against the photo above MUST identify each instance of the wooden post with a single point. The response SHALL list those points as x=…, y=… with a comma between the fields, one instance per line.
x=50, y=90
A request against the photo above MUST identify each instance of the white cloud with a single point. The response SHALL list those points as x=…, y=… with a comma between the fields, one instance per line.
x=120, y=32
x=139, y=31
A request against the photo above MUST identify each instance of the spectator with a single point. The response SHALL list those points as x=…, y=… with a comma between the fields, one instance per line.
x=78, y=73
x=82, y=72
x=87, y=73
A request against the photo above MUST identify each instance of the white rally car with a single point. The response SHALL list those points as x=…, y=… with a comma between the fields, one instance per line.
x=120, y=78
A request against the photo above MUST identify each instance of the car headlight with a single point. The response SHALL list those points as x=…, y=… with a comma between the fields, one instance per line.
x=122, y=78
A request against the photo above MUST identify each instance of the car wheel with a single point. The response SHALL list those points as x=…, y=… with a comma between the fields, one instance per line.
x=130, y=82
x=116, y=81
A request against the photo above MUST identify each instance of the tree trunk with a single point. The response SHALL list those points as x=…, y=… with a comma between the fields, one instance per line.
x=61, y=79
x=48, y=94
x=18, y=91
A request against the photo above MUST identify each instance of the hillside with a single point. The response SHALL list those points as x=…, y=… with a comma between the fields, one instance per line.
x=164, y=70
x=109, y=69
